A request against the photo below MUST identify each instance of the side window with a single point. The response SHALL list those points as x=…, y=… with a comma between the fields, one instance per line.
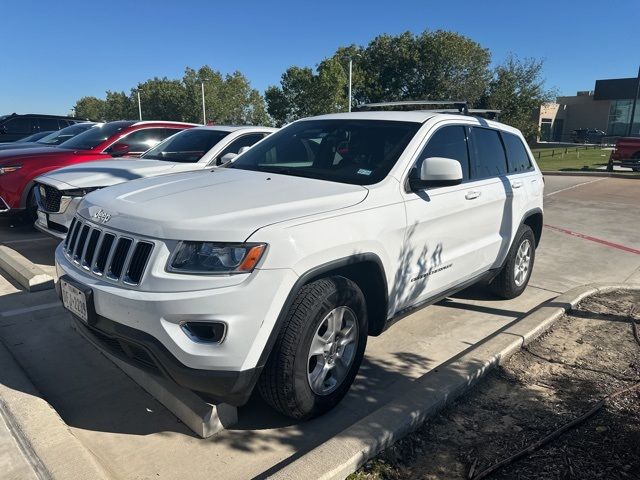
x=448, y=142
x=142, y=140
x=238, y=143
x=489, y=159
x=517, y=156
x=47, y=124
x=20, y=125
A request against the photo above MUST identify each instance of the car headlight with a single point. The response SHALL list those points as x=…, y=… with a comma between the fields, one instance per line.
x=9, y=169
x=208, y=258
x=79, y=192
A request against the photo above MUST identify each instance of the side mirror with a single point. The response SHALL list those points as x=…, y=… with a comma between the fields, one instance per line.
x=243, y=149
x=436, y=172
x=119, y=149
x=226, y=158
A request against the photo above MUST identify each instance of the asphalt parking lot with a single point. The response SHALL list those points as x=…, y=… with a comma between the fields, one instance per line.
x=590, y=235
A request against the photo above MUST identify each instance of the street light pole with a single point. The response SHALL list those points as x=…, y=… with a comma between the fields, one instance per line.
x=350, y=72
x=139, y=106
x=635, y=101
x=204, y=111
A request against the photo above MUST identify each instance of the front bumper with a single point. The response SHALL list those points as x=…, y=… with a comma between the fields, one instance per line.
x=143, y=327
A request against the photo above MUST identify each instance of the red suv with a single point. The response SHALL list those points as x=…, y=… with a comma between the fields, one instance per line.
x=626, y=154
x=18, y=168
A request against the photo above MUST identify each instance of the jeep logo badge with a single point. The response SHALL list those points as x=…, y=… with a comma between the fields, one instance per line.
x=101, y=216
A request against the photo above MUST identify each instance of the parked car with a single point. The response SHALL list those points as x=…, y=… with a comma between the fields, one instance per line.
x=587, y=135
x=14, y=127
x=48, y=139
x=59, y=192
x=19, y=168
x=273, y=270
x=626, y=153
x=29, y=139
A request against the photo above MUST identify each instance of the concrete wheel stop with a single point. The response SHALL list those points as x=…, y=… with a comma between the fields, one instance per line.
x=203, y=418
x=23, y=271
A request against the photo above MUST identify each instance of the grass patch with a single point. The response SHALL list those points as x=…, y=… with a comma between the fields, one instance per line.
x=551, y=159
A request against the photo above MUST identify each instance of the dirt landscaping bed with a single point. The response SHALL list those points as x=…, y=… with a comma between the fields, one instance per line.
x=588, y=355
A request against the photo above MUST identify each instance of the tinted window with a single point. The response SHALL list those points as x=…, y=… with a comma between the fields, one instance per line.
x=20, y=125
x=142, y=140
x=188, y=146
x=95, y=136
x=489, y=159
x=359, y=152
x=48, y=124
x=59, y=136
x=238, y=143
x=517, y=156
x=448, y=142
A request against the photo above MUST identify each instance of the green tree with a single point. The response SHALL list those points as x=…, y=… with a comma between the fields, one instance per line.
x=91, y=108
x=228, y=99
x=517, y=89
x=120, y=106
x=163, y=99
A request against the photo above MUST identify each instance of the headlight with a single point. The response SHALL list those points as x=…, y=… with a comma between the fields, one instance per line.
x=214, y=258
x=79, y=192
x=10, y=168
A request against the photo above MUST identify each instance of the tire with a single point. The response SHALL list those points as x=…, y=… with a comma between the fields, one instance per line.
x=31, y=210
x=506, y=284
x=286, y=381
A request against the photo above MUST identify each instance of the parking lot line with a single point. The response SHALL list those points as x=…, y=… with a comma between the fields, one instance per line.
x=594, y=239
x=575, y=186
x=35, y=308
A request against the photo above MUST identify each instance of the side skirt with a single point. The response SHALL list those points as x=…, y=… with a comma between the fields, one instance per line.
x=486, y=276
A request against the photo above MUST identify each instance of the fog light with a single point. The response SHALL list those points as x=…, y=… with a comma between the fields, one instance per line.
x=204, y=332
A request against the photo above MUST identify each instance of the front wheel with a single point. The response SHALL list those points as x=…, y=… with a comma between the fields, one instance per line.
x=319, y=349
x=515, y=274
x=31, y=212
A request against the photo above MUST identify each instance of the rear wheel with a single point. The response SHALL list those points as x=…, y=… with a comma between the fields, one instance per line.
x=515, y=274
x=319, y=349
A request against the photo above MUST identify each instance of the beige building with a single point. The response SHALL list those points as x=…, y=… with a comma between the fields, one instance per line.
x=607, y=108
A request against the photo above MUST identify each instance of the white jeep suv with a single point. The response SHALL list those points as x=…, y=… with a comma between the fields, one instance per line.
x=273, y=270
x=59, y=192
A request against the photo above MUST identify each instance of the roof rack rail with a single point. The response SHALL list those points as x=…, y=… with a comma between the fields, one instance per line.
x=483, y=112
x=460, y=105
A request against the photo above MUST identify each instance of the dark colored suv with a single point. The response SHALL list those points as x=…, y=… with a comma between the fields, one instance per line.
x=587, y=135
x=14, y=127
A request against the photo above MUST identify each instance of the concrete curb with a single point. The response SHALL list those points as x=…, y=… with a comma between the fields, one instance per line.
x=23, y=271
x=350, y=449
x=45, y=439
x=578, y=173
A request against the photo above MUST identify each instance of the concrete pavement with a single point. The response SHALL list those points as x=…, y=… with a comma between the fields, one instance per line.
x=137, y=438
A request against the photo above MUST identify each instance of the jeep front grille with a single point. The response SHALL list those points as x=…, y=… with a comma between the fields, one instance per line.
x=49, y=198
x=107, y=254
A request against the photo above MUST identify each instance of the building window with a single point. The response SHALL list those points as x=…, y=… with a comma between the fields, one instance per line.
x=545, y=129
x=619, y=116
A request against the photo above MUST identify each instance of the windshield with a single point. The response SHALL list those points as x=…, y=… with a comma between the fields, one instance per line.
x=95, y=136
x=359, y=152
x=56, y=138
x=187, y=146
x=34, y=137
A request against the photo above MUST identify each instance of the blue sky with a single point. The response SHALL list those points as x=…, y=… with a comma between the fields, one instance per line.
x=56, y=52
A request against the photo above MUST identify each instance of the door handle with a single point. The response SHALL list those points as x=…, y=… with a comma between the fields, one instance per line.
x=472, y=195
x=516, y=184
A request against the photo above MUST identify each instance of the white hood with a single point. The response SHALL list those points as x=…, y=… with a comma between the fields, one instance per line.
x=110, y=172
x=225, y=204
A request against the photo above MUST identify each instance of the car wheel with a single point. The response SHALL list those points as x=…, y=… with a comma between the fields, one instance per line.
x=515, y=274
x=318, y=351
x=31, y=212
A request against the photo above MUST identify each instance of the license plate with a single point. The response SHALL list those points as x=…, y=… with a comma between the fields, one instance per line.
x=74, y=300
x=43, y=219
